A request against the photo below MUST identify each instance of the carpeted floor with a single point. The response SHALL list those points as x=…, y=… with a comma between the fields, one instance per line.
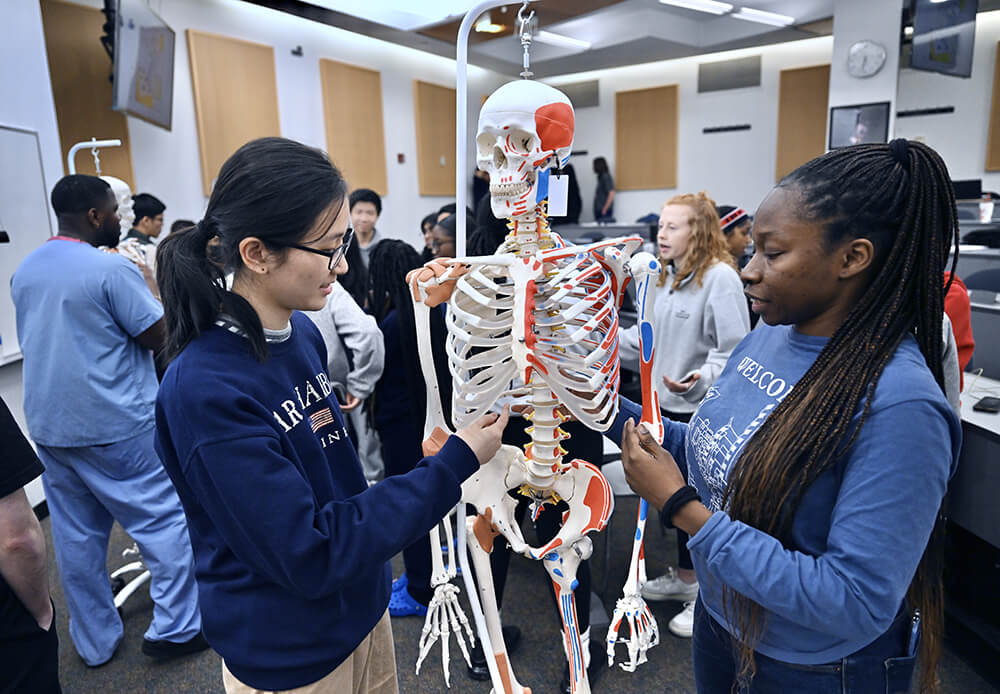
x=538, y=663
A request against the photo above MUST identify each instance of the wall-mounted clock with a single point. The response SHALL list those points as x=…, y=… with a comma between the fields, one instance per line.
x=865, y=58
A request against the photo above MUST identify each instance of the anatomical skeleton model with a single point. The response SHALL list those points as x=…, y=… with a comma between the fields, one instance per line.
x=537, y=322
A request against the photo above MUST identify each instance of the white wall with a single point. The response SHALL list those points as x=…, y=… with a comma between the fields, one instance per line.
x=961, y=136
x=167, y=165
x=854, y=20
x=736, y=168
x=28, y=104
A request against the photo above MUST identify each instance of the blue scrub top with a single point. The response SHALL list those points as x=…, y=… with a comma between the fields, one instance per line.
x=86, y=380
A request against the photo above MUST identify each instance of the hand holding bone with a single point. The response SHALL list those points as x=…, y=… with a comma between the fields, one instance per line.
x=483, y=435
x=649, y=469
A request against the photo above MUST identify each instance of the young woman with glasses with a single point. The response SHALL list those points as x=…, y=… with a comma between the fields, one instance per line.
x=291, y=545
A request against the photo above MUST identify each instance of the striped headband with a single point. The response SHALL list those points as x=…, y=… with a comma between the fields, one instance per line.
x=733, y=217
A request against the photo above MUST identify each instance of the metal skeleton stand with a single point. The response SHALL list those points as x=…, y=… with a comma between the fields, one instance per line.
x=538, y=323
x=122, y=588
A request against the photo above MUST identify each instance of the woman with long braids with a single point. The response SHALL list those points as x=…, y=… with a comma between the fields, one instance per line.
x=820, y=457
x=291, y=546
x=399, y=400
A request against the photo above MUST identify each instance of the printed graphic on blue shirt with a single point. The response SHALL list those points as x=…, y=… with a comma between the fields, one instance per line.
x=732, y=412
x=325, y=424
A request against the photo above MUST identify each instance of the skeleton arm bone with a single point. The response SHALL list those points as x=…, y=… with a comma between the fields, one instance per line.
x=643, y=631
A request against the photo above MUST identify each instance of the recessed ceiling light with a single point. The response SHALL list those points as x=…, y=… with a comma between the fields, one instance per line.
x=560, y=40
x=485, y=25
x=710, y=6
x=760, y=16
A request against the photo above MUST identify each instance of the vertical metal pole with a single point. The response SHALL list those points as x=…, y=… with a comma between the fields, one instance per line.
x=462, y=118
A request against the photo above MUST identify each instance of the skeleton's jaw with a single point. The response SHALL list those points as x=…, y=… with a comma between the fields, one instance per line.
x=513, y=196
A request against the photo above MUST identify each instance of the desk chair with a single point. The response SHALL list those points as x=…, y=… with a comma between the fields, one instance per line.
x=122, y=588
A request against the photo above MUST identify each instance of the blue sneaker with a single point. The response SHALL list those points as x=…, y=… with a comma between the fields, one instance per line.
x=400, y=583
x=402, y=604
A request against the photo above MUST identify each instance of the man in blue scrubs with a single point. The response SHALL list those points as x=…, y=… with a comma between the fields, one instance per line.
x=87, y=324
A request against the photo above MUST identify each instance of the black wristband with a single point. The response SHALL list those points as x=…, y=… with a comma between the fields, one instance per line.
x=682, y=496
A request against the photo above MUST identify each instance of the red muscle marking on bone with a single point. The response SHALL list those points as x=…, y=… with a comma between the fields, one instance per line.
x=596, y=499
x=554, y=124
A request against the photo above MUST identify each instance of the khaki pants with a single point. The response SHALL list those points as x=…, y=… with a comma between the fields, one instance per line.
x=370, y=669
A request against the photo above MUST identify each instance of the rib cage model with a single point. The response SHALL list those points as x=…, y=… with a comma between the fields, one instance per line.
x=536, y=323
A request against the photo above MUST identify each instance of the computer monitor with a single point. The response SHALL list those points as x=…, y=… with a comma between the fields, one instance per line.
x=944, y=35
x=144, y=63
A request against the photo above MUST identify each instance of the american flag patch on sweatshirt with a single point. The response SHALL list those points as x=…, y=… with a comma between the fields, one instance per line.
x=321, y=419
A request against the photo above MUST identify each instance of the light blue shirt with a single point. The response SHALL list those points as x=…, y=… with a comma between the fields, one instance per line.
x=87, y=381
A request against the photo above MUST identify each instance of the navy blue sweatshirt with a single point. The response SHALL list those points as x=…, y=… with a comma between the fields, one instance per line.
x=291, y=546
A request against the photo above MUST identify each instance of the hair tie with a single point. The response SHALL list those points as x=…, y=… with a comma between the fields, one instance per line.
x=900, y=150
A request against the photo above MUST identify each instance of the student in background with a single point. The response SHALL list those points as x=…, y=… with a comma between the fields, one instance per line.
x=735, y=224
x=148, y=218
x=249, y=431
x=700, y=315
x=399, y=403
x=819, y=464
x=87, y=325
x=426, y=231
x=355, y=359
x=604, y=195
x=366, y=207
x=443, y=235
x=29, y=645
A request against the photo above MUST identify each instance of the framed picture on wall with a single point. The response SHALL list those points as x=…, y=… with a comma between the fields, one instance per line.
x=859, y=124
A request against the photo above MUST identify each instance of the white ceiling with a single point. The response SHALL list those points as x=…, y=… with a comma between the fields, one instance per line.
x=626, y=33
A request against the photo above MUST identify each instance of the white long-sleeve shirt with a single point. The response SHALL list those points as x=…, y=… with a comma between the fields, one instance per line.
x=696, y=329
x=347, y=328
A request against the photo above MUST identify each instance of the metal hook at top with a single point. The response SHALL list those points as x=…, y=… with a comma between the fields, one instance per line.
x=97, y=157
x=525, y=33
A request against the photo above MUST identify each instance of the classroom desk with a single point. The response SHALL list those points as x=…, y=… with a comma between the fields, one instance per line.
x=975, y=489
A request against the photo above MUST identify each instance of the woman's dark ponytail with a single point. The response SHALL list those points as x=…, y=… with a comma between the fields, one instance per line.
x=272, y=189
x=191, y=286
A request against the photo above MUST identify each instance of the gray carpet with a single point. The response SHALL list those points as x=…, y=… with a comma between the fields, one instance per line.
x=538, y=662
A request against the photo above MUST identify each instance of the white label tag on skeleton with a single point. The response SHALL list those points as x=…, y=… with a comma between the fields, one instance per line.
x=558, y=195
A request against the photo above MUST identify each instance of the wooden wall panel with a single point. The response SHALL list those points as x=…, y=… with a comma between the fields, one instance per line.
x=802, y=109
x=993, y=144
x=434, y=110
x=80, y=70
x=646, y=139
x=235, y=97
x=355, y=134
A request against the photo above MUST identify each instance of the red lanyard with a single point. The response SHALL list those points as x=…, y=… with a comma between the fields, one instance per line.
x=65, y=238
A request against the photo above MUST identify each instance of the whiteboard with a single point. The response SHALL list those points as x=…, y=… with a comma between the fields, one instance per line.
x=24, y=215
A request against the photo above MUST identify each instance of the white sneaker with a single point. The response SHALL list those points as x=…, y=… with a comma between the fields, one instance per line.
x=669, y=587
x=683, y=623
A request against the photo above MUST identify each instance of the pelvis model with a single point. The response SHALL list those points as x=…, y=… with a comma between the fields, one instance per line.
x=537, y=322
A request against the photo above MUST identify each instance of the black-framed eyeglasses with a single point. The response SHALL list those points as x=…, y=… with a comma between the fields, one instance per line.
x=335, y=256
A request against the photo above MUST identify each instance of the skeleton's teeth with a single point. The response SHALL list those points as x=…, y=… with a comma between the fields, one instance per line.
x=509, y=189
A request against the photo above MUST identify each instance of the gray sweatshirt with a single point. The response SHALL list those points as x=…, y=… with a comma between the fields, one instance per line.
x=347, y=328
x=695, y=330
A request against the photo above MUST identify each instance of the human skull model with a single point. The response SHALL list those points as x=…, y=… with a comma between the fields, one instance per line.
x=123, y=195
x=525, y=128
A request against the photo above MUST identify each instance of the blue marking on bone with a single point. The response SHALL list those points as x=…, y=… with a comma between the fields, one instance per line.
x=643, y=509
x=557, y=572
x=551, y=556
x=646, y=329
x=652, y=264
x=575, y=584
x=542, y=191
x=638, y=534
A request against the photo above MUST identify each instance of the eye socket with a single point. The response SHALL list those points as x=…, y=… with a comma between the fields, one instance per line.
x=521, y=141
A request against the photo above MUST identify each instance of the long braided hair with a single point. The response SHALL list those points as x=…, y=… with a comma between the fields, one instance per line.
x=899, y=196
